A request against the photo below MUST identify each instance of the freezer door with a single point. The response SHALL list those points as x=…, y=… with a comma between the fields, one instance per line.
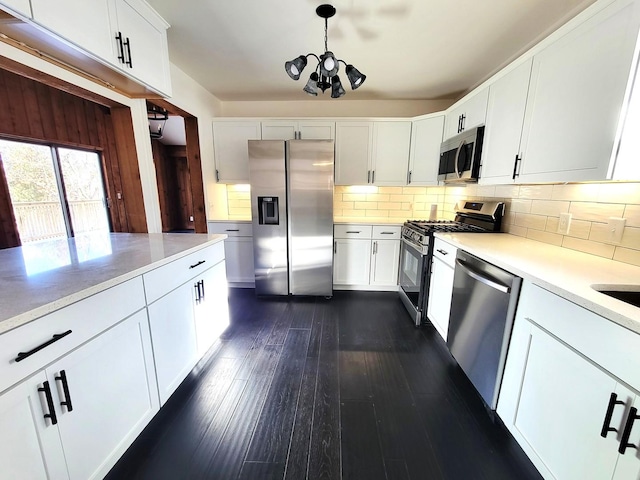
x=268, y=192
x=310, y=209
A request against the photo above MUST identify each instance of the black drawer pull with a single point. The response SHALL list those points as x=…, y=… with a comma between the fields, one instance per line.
x=606, y=425
x=443, y=252
x=386, y=233
x=197, y=264
x=353, y=231
x=624, y=441
x=232, y=230
x=52, y=412
x=56, y=336
x=65, y=388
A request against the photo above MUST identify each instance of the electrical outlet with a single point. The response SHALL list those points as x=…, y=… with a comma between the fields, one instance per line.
x=616, y=229
x=564, y=223
x=191, y=218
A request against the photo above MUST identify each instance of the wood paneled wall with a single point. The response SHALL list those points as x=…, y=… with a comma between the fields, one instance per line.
x=30, y=110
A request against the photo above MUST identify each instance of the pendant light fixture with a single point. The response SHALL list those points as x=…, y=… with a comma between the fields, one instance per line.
x=157, y=118
x=326, y=72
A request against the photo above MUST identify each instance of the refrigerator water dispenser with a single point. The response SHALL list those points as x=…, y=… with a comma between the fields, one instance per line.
x=268, y=211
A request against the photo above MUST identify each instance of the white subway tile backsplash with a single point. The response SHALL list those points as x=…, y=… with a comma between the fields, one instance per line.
x=627, y=255
x=576, y=192
x=518, y=205
x=536, y=192
x=632, y=214
x=619, y=192
x=537, y=222
x=587, y=246
x=596, y=212
x=546, y=237
x=549, y=207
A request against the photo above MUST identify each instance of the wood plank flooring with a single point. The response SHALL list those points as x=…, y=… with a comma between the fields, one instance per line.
x=306, y=388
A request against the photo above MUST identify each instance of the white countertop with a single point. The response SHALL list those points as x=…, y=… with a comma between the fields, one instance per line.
x=368, y=221
x=565, y=272
x=39, y=278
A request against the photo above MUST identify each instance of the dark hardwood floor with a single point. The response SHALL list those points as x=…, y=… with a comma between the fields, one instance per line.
x=306, y=388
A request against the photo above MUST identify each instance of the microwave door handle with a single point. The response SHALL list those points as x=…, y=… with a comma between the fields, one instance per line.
x=455, y=162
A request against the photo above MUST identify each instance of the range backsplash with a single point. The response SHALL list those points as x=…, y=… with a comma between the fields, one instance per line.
x=532, y=211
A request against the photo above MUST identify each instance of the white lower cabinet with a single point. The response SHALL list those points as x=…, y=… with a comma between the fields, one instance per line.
x=96, y=400
x=211, y=306
x=351, y=261
x=173, y=333
x=366, y=257
x=555, y=398
x=238, y=251
x=441, y=286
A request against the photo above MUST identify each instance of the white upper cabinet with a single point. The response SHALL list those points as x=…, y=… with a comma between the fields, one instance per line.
x=426, y=137
x=577, y=90
x=21, y=7
x=353, y=153
x=468, y=114
x=230, y=149
x=298, y=130
x=390, y=160
x=374, y=153
x=125, y=34
x=144, y=43
x=505, y=116
x=85, y=24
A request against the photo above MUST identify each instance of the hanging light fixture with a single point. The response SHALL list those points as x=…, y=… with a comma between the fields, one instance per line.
x=326, y=73
x=157, y=118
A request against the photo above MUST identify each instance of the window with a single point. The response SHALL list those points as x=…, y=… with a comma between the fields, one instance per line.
x=55, y=192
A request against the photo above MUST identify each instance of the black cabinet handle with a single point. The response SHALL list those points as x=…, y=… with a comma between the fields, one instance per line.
x=353, y=231
x=368, y=176
x=197, y=264
x=52, y=412
x=56, y=336
x=196, y=287
x=409, y=179
x=386, y=233
x=373, y=176
x=606, y=425
x=232, y=230
x=120, y=47
x=217, y=176
x=443, y=252
x=335, y=247
x=127, y=44
x=62, y=377
x=201, y=282
x=515, y=167
x=624, y=441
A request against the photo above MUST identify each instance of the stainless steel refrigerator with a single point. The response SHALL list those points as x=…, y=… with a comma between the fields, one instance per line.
x=292, y=213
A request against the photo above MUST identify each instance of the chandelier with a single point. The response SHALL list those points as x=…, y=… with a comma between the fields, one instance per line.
x=326, y=72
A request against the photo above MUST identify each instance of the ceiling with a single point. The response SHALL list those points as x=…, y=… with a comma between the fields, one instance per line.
x=409, y=49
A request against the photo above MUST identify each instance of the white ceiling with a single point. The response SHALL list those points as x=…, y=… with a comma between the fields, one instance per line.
x=409, y=49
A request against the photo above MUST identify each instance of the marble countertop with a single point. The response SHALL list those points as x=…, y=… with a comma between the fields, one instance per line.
x=42, y=277
x=567, y=273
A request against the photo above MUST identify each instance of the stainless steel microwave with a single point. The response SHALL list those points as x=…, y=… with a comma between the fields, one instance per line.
x=460, y=157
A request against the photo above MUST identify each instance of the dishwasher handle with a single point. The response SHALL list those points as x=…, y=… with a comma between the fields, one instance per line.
x=490, y=282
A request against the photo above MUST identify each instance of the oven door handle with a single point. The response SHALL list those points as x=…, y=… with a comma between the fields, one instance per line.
x=413, y=247
x=489, y=282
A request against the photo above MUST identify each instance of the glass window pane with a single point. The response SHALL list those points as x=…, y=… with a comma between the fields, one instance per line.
x=82, y=176
x=33, y=190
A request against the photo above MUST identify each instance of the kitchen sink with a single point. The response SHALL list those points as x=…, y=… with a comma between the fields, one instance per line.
x=627, y=293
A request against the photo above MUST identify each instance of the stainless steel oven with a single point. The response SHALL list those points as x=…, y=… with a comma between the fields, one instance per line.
x=412, y=277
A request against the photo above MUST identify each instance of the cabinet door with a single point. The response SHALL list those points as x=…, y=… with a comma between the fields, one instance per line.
x=279, y=130
x=313, y=130
x=231, y=151
x=440, y=291
x=23, y=7
x=384, y=262
x=555, y=403
x=147, y=48
x=351, y=262
x=471, y=113
x=426, y=138
x=628, y=465
x=577, y=89
x=112, y=393
x=85, y=24
x=30, y=446
x=173, y=334
x=391, y=142
x=505, y=116
x=238, y=253
x=211, y=306
x=353, y=153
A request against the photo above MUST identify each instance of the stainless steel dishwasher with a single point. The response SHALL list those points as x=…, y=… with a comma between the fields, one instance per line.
x=483, y=306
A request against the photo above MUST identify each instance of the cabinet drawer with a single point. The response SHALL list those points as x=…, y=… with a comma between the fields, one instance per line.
x=163, y=279
x=605, y=343
x=445, y=252
x=352, y=231
x=85, y=319
x=386, y=232
x=232, y=229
